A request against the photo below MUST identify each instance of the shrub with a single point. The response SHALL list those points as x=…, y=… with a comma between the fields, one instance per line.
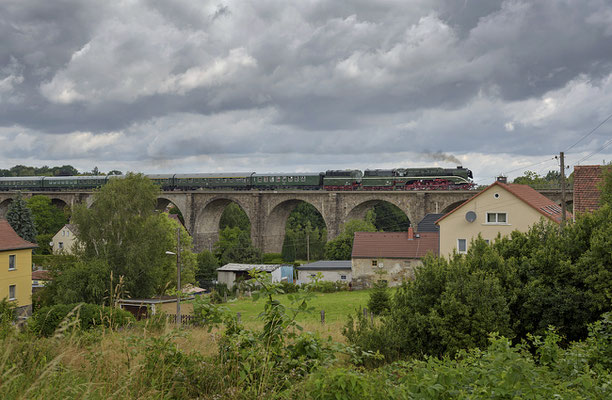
x=272, y=258
x=83, y=316
x=380, y=300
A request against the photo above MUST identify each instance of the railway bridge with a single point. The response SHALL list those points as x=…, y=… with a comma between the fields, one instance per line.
x=268, y=210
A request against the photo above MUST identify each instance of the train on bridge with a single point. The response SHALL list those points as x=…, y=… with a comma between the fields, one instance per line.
x=377, y=179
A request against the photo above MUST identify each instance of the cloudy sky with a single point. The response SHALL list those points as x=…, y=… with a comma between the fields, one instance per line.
x=309, y=85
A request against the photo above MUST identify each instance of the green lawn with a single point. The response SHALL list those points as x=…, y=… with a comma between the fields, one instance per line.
x=337, y=306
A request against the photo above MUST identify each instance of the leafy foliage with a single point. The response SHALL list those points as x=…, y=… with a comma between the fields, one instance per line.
x=235, y=246
x=234, y=217
x=380, y=299
x=500, y=371
x=207, y=265
x=341, y=247
x=388, y=217
x=305, y=234
x=19, y=217
x=48, y=220
x=48, y=320
x=123, y=230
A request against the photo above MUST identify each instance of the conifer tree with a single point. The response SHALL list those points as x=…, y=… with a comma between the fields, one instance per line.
x=19, y=216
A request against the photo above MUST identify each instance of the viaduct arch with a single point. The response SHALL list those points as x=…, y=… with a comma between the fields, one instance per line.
x=268, y=210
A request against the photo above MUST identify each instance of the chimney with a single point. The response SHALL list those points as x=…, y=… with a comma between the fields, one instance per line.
x=410, y=233
x=502, y=179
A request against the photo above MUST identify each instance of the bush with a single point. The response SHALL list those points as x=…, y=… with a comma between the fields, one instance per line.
x=380, y=301
x=82, y=316
x=287, y=287
x=272, y=258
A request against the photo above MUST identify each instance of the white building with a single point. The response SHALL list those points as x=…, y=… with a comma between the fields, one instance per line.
x=331, y=271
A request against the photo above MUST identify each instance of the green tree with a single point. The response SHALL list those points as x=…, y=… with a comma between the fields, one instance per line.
x=234, y=246
x=206, y=270
x=48, y=219
x=19, y=217
x=234, y=216
x=389, y=218
x=123, y=230
x=606, y=186
x=341, y=247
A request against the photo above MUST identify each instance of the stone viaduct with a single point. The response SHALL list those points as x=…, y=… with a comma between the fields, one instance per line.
x=268, y=210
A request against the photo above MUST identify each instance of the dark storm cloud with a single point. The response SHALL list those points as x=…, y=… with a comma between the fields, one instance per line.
x=165, y=80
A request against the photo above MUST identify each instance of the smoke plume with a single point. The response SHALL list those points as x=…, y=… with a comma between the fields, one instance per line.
x=439, y=156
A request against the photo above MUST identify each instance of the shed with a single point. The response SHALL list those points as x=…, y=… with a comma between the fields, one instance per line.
x=331, y=271
x=230, y=273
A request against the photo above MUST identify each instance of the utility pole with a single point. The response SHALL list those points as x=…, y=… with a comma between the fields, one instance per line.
x=178, y=277
x=563, y=210
x=307, y=246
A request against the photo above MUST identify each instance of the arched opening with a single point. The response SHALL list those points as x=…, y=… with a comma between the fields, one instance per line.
x=173, y=211
x=385, y=216
x=452, y=206
x=305, y=234
x=213, y=217
x=4, y=206
x=59, y=203
x=276, y=223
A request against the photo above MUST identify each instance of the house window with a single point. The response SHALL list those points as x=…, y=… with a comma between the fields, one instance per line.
x=60, y=245
x=486, y=241
x=12, y=262
x=374, y=263
x=313, y=275
x=343, y=277
x=462, y=246
x=12, y=292
x=497, y=218
x=63, y=233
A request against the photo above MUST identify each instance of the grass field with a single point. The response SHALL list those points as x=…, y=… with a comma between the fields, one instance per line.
x=337, y=306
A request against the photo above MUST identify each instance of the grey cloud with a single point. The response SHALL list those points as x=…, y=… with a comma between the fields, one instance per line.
x=204, y=79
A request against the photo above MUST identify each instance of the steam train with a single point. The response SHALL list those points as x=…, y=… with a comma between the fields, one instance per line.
x=376, y=179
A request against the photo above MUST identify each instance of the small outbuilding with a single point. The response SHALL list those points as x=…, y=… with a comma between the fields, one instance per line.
x=230, y=273
x=332, y=271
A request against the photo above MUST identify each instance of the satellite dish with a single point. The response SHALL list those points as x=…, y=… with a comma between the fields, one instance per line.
x=470, y=216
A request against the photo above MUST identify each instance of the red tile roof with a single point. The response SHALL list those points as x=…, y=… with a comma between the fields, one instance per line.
x=586, y=191
x=527, y=194
x=394, y=245
x=41, y=275
x=9, y=240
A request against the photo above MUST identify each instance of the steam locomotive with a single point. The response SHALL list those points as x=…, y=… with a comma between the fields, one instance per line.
x=332, y=180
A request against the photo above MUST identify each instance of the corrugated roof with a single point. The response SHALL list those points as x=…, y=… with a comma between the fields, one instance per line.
x=247, y=267
x=394, y=245
x=586, y=190
x=428, y=223
x=9, y=240
x=528, y=195
x=326, y=265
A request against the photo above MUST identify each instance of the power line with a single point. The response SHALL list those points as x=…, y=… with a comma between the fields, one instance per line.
x=590, y=132
x=606, y=144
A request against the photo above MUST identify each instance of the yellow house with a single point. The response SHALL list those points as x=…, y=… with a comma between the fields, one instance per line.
x=499, y=209
x=15, y=269
x=64, y=240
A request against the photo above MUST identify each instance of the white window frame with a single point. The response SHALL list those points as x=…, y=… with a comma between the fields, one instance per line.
x=12, y=257
x=14, y=289
x=464, y=245
x=496, y=214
